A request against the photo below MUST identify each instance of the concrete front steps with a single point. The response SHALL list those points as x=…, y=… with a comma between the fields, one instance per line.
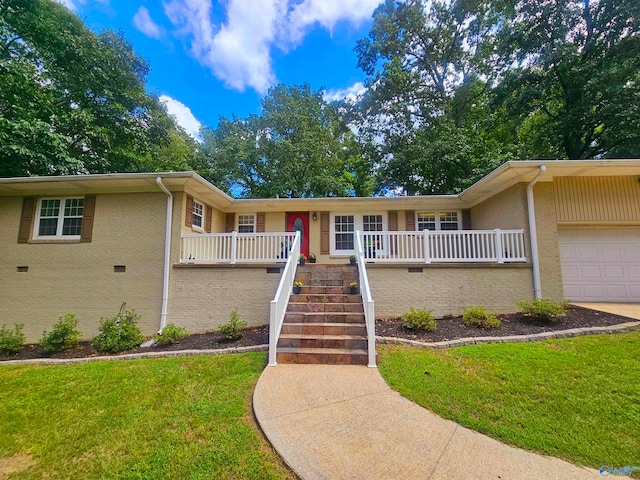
x=325, y=322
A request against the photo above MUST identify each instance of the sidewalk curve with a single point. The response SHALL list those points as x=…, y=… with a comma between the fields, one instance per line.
x=344, y=422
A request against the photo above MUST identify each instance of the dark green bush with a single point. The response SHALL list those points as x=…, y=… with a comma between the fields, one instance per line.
x=421, y=319
x=478, y=317
x=232, y=330
x=543, y=310
x=64, y=335
x=11, y=340
x=171, y=334
x=118, y=333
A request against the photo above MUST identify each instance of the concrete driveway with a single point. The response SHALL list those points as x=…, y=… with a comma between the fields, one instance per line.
x=631, y=310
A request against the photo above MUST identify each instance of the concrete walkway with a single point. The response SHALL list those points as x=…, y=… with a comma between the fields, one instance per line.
x=631, y=310
x=339, y=422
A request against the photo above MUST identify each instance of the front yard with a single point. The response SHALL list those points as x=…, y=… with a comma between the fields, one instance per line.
x=186, y=417
x=578, y=399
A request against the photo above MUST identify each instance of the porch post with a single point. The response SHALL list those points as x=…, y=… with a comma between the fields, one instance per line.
x=427, y=253
x=498, y=241
x=233, y=246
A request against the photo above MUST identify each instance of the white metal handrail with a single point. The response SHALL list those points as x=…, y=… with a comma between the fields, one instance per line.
x=497, y=245
x=367, y=300
x=281, y=299
x=236, y=247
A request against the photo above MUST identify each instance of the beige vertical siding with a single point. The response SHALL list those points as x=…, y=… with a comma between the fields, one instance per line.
x=79, y=277
x=597, y=199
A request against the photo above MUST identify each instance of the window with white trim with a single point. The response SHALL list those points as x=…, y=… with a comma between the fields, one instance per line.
x=345, y=225
x=59, y=218
x=344, y=232
x=246, y=223
x=449, y=220
x=197, y=215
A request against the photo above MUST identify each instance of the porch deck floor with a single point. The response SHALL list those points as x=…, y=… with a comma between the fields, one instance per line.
x=344, y=422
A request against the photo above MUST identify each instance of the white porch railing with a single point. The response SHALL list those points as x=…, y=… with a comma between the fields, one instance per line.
x=236, y=247
x=280, y=301
x=497, y=245
x=367, y=300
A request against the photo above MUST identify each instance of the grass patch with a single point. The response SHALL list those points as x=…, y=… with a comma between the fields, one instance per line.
x=578, y=399
x=186, y=417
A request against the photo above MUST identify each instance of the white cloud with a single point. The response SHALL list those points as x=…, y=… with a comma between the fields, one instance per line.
x=68, y=3
x=143, y=22
x=238, y=51
x=73, y=4
x=350, y=93
x=183, y=115
x=327, y=14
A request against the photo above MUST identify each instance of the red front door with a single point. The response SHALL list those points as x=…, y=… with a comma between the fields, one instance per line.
x=299, y=222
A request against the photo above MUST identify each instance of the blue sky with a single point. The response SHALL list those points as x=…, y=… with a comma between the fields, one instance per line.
x=212, y=58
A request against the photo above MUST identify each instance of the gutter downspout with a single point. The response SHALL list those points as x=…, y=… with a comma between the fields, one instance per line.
x=533, y=234
x=167, y=254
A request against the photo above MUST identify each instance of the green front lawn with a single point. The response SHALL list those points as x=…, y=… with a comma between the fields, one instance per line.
x=177, y=418
x=578, y=399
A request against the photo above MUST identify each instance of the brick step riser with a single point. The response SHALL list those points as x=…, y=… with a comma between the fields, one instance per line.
x=319, y=329
x=322, y=298
x=324, y=317
x=358, y=344
x=325, y=282
x=325, y=307
x=325, y=290
x=322, y=358
x=315, y=268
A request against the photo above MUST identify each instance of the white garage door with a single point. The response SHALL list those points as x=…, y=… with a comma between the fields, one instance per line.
x=601, y=263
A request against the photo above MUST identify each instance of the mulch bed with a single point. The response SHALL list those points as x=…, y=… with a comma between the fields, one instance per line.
x=448, y=328
x=213, y=340
x=453, y=328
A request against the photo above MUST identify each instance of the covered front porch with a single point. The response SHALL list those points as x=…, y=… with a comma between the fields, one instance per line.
x=420, y=247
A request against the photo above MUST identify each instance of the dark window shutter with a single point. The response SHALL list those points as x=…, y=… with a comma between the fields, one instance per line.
x=230, y=222
x=260, y=222
x=26, y=219
x=466, y=219
x=324, y=233
x=87, y=218
x=410, y=220
x=393, y=227
x=208, y=218
x=188, y=219
x=393, y=221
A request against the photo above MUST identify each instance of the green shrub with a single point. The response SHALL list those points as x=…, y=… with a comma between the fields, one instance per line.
x=478, y=317
x=11, y=340
x=232, y=330
x=64, y=335
x=543, y=310
x=118, y=333
x=421, y=319
x=170, y=334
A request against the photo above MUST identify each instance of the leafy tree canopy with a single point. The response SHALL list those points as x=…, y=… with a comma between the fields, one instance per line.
x=74, y=102
x=298, y=147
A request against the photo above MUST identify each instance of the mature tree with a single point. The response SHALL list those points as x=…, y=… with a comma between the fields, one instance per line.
x=430, y=67
x=298, y=147
x=575, y=88
x=72, y=101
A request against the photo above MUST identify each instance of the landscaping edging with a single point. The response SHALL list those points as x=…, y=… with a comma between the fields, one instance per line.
x=573, y=332
x=137, y=356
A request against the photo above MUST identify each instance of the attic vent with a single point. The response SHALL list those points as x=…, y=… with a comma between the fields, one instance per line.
x=120, y=268
x=415, y=270
x=22, y=269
